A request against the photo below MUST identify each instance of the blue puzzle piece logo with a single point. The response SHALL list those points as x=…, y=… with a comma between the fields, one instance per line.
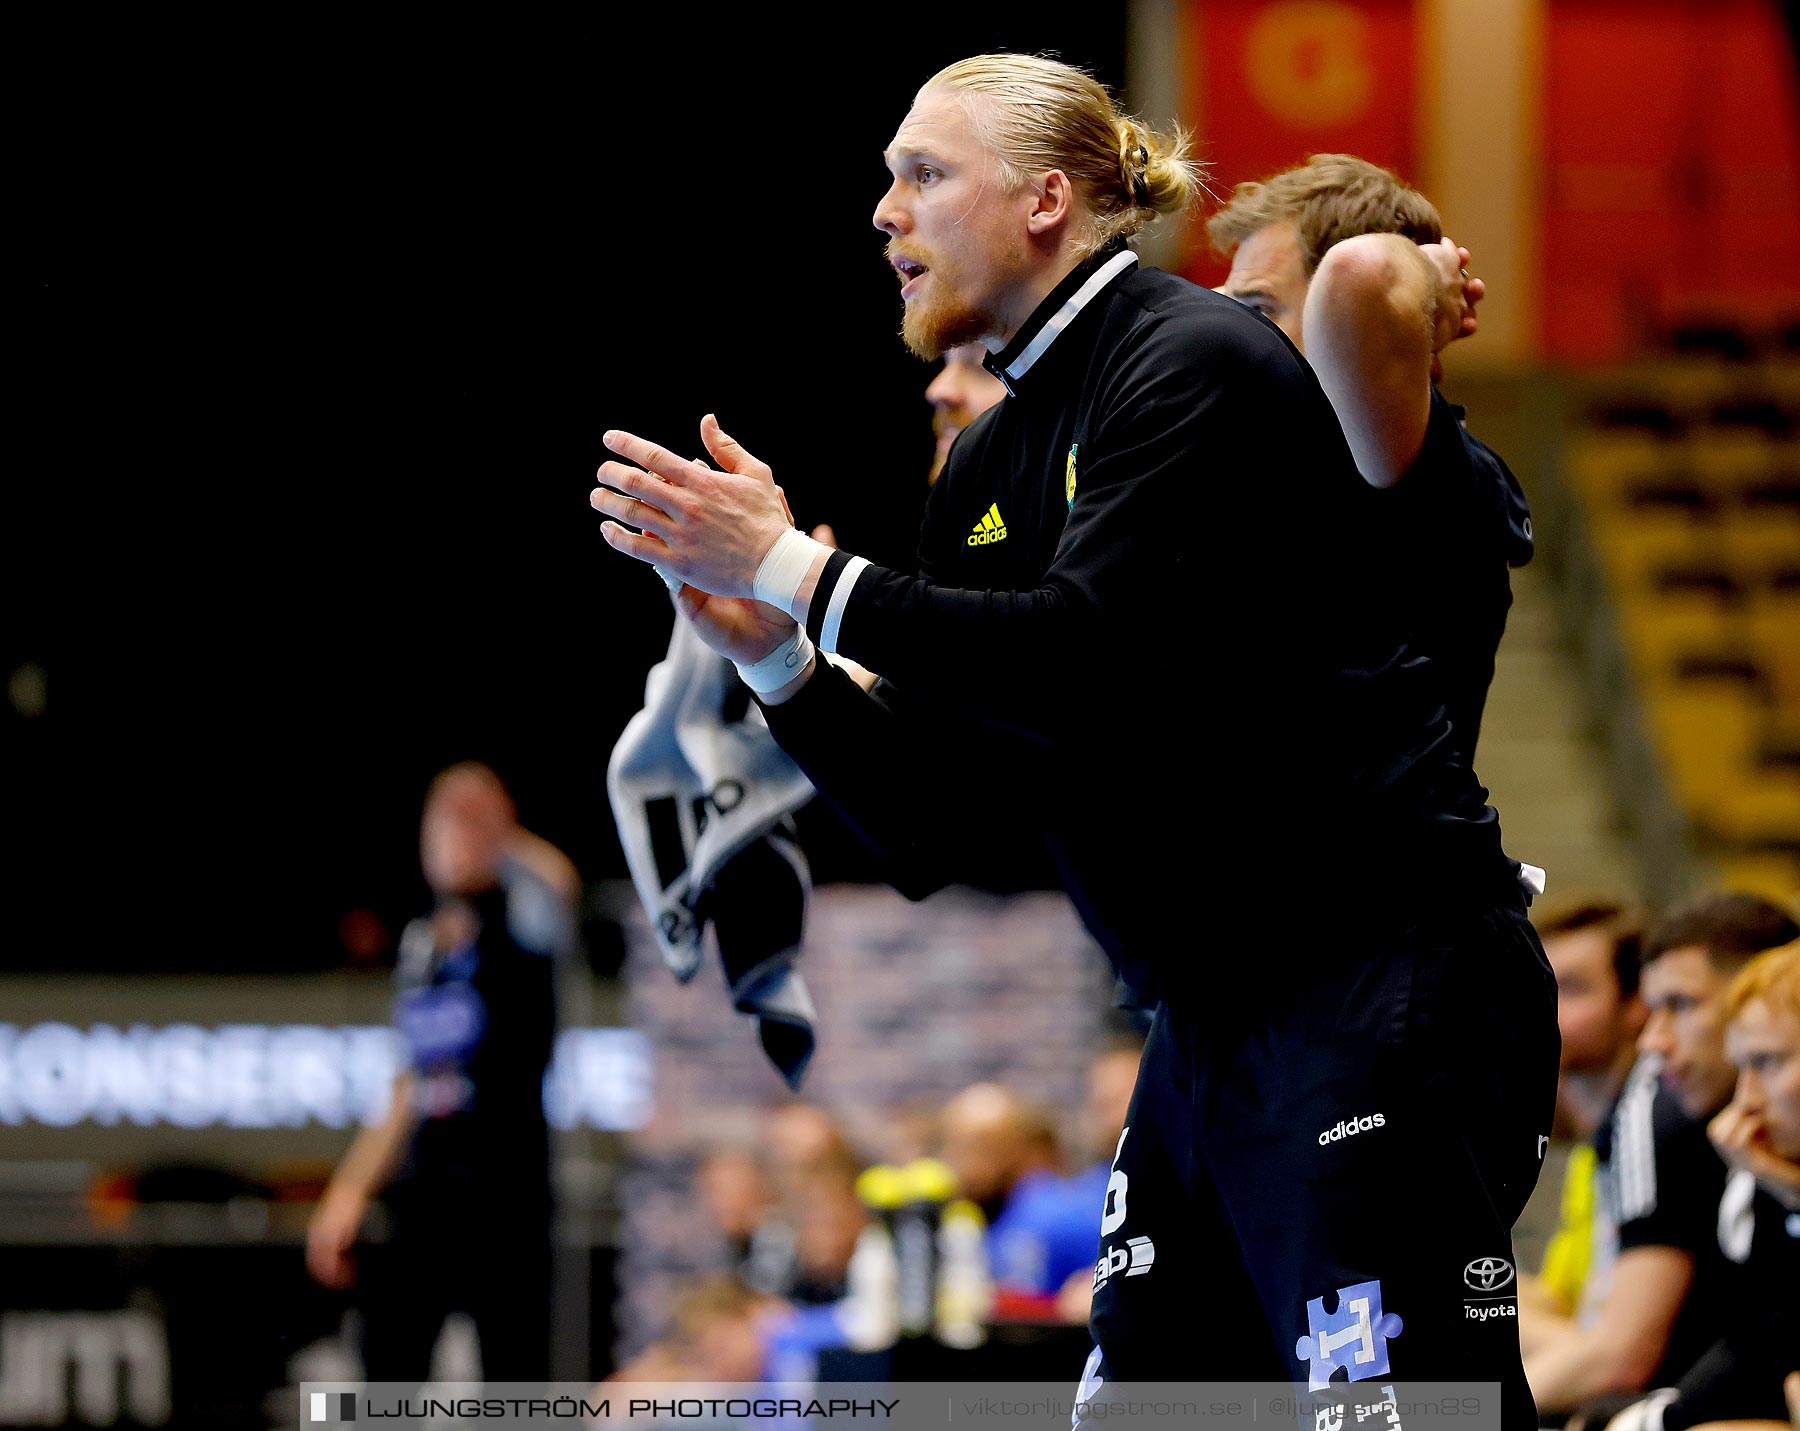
x=1354, y=1337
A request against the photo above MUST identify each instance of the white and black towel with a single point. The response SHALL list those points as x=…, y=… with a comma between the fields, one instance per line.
x=702, y=794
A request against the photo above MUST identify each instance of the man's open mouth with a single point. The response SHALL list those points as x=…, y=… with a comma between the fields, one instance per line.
x=910, y=271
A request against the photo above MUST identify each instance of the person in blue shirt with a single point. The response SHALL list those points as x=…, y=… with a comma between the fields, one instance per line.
x=1005, y=1157
x=461, y=1160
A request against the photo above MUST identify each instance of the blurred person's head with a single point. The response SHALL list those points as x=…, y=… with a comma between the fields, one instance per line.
x=1008, y=171
x=992, y=1138
x=801, y=1141
x=1690, y=959
x=798, y=1135
x=1111, y=1077
x=716, y=1330
x=735, y=1192
x=1594, y=947
x=962, y=390
x=909, y=1133
x=1275, y=232
x=828, y=1219
x=1762, y=1036
x=463, y=834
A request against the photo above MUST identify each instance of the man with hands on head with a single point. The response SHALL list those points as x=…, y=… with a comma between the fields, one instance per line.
x=1121, y=499
x=1353, y=267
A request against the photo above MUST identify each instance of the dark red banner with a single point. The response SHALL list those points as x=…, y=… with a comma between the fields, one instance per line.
x=1672, y=177
x=1272, y=81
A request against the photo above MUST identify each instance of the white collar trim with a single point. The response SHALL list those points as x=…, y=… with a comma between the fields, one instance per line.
x=1065, y=315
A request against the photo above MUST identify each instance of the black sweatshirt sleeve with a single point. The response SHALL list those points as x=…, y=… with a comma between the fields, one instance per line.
x=1161, y=436
x=917, y=789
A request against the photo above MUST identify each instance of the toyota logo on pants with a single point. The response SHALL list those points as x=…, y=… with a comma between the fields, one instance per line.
x=1485, y=1274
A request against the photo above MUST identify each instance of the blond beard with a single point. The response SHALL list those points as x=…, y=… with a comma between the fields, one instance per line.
x=930, y=329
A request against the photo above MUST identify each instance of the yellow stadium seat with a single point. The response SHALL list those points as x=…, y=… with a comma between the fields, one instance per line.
x=1781, y=381
x=1635, y=546
x=1725, y=460
x=1757, y=542
x=1708, y=732
x=1663, y=628
x=1601, y=462
x=1762, y=807
x=1773, y=876
x=1773, y=624
x=1781, y=735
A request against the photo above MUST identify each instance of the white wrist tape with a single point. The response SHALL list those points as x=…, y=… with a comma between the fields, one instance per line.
x=780, y=666
x=784, y=567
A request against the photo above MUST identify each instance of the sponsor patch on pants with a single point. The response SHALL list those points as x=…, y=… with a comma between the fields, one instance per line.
x=1492, y=1282
x=1354, y=1338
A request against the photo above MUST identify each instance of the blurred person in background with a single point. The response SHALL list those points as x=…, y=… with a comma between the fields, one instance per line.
x=799, y=1138
x=1111, y=1075
x=828, y=1217
x=1110, y=1078
x=909, y=1132
x=718, y=1330
x=1595, y=947
x=1740, y=1378
x=735, y=1193
x=1663, y=1179
x=788, y=1212
x=723, y=1331
x=1005, y=1157
x=462, y=1158
x=960, y=392
x=739, y=1198
x=1016, y=183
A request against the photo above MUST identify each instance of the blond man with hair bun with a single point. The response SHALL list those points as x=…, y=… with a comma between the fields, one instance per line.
x=1165, y=473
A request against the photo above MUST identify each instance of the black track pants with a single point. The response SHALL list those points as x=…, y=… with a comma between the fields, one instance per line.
x=1321, y=1171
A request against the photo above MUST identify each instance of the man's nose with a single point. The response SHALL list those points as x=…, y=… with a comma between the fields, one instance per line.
x=890, y=216
x=1655, y=1037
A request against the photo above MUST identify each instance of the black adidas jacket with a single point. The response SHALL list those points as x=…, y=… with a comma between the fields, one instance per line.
x=1157, y=622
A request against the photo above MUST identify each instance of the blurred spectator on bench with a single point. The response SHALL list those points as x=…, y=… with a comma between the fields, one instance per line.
x=1671, y=1287
x=1110, y=1079
x=1740, y=1378
x=1595, y=947
x=1004, y=1154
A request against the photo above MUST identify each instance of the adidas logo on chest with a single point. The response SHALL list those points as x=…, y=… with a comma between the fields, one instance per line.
x=991, y=528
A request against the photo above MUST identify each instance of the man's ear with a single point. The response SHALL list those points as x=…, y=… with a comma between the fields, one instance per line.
x=1053, y=202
